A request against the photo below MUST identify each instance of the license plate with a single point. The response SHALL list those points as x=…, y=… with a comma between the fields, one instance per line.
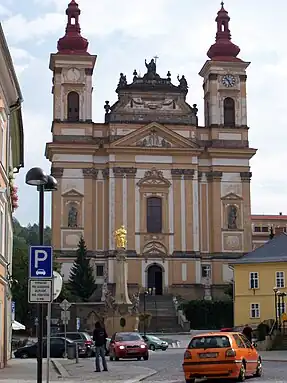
x=132, y=351
x=208, y=355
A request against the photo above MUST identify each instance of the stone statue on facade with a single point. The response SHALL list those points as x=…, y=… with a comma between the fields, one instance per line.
x=182, y=83
x=73, y=217
x=105, y=285
x=232, y=217
x=122, y=81
x=121, y=237
x=151, y=67
x=135, y=299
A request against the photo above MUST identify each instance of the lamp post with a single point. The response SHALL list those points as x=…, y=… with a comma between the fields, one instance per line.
x=144, y=302
x=281, y=304
x=276, y=306
x=37, y=177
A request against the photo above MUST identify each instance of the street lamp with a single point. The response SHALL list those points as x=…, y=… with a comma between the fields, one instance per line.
x=281, y=305
x=37, y=177
x=275, y=289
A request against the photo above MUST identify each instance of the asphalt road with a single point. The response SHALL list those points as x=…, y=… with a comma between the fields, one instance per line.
x=168, y=364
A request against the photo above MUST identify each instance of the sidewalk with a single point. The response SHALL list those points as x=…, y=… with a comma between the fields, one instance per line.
x=274, y=356
x=85, y=371
x=25, y=369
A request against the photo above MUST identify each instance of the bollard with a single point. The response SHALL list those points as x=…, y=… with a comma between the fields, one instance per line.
x=77, y=354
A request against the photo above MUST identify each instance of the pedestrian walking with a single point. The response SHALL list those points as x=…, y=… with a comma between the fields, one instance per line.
x=100, y=339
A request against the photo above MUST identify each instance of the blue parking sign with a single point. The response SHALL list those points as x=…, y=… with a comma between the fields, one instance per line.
x=41, y=262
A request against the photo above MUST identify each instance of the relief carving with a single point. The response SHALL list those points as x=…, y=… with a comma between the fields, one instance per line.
x=232, y=242
x=57, y=172
x=90, y=173
x=139, y=103
x=153, y=140
x=154, y=177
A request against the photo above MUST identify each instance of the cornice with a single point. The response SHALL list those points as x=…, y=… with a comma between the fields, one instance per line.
x=90, y=173
x=57, y=172
x=214, y=176
x=246, y=176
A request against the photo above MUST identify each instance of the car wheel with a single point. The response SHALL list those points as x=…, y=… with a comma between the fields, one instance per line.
x=242, y=373
x=138, y=358
x=24, y=355
x=259, y=369
x=152, y=347
x=146, y=357
x=117, y=358
x=111, y=358
x=164, y=348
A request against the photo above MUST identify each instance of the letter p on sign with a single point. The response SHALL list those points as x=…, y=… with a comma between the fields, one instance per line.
x=40, y=256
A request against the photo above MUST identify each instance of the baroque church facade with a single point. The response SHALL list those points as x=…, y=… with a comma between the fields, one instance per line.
x=181, y=190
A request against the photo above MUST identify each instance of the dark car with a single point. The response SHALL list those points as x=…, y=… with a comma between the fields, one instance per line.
x=128, y=345
x=80, y=337
x=155, y=343
x=57, y=349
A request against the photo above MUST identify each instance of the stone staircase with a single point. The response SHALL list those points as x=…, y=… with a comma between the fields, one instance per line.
x=163, y=313
x=280, y=342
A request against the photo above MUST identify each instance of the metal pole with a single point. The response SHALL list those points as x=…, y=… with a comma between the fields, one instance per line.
x=49, y=314
x=276, y=310
x=40, y=305
x=65, y=330
x=144, y=313
x=279, y=310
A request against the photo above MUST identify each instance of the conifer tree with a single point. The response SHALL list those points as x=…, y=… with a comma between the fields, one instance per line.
x=81, y=281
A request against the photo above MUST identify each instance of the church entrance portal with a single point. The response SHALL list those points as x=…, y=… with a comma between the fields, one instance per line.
x=154, y=278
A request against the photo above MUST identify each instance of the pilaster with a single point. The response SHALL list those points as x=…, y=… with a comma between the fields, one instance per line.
x=245, y=179
x=215, y=224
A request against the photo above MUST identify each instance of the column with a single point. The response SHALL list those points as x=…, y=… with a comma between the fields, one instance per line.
x=195, y=212
x=111, y=209
x=189, y=207
x=90, y=177
x=177, y=218
x=130, y=206
x=246, y=218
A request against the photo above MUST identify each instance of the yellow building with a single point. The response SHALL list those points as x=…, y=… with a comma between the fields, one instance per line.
x=256, y=276
x=181, y=189
x=11, y=160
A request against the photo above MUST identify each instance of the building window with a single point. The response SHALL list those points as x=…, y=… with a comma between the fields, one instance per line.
x=154, y=215
x=254, y=310
x=280, y=279
x=265, y=229
x=254, y=280
x=257, y=229
x=100, y=270
x=73, y=106
x=205, y=271
x=229, y=111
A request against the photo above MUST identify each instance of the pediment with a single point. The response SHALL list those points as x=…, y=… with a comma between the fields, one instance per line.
x=231, y=197
x=72, y=193
x=156, y=136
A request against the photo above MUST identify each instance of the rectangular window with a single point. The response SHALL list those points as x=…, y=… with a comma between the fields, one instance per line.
x=281, y=308
x=280, y=279
x=257, y=229
x=254, y=310
x=100, y=270
x=254, y=280
x=265, y=229
x=183, y=272
x=206, y=271
x=154, y=215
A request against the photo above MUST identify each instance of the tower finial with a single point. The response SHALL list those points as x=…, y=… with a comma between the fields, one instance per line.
x=223, y=49
x=73, y=42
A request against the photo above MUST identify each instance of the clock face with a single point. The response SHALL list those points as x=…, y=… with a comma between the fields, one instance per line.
x=73, y=74
x=228, y=80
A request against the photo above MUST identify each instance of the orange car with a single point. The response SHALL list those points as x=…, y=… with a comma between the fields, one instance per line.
x=221, y=355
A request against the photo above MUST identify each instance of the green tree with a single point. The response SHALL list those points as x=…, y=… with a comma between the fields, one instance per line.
x=81, y=281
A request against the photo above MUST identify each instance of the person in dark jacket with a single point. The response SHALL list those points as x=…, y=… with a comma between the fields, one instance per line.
x=100, y=339
x=247, y=331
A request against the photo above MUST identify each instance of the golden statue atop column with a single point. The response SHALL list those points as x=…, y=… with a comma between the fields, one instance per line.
x=121, y=296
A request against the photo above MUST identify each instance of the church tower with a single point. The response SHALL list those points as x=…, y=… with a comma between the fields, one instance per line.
x=72, y=67
x=224, y=80
x=228, y=180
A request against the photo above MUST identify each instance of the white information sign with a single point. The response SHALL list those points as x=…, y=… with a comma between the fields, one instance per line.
x=40, y=291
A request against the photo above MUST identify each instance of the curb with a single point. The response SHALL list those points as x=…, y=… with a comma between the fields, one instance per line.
x=142, y=378
x=275, y=360
x=60, y=369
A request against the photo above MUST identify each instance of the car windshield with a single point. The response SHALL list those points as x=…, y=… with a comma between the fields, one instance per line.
x=153, y=338
x=214, y=341
x=127, y=337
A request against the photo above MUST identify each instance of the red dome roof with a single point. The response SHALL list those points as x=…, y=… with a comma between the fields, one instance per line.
x=223, y=49
x=73, y=42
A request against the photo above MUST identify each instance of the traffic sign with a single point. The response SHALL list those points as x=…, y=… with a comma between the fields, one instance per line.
x=12, y=311
x=40, y=291
x=41, y=262
x=65, y=315
x=65, y=305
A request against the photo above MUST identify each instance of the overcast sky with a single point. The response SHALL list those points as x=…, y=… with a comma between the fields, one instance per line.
x=124, y=33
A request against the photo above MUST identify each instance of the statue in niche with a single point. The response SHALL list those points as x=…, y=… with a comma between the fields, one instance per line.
x=232, y=217
x=73, y=217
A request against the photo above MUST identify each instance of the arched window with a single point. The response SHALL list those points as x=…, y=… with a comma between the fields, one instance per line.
x=229, y=111
x=154, y=215
x=73, y=106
